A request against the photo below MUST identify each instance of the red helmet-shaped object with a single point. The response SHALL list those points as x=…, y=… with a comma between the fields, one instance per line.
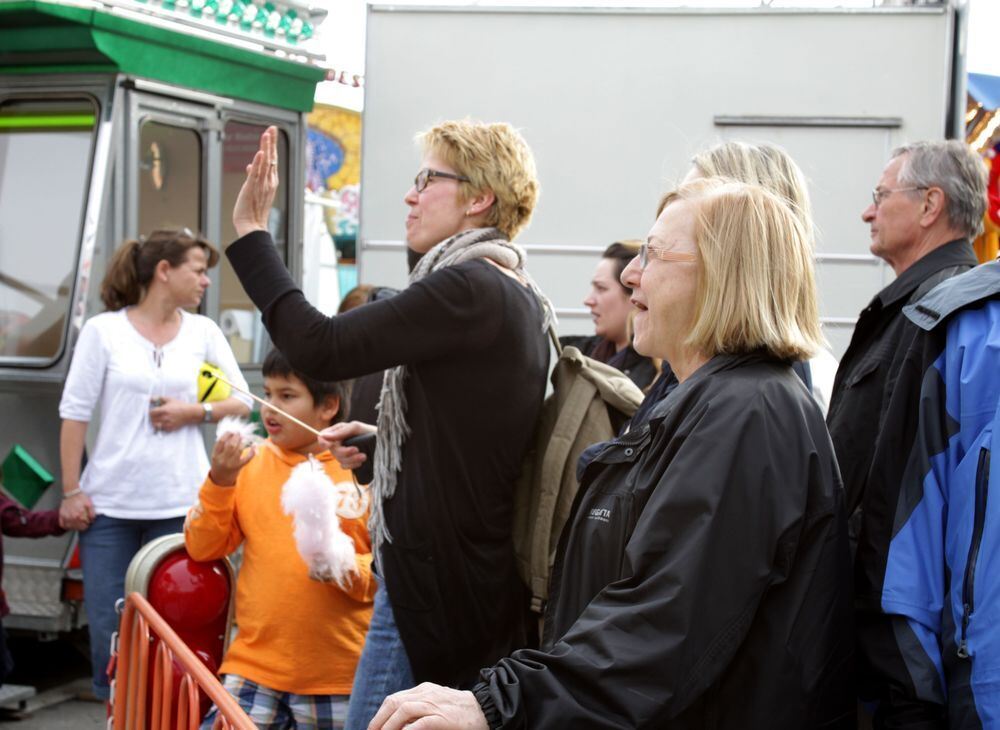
x=196, y=599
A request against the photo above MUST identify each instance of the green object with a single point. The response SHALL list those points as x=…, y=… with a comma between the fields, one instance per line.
x=38, y=37
x=24, y=478
x=258, y=424
x=47, y=121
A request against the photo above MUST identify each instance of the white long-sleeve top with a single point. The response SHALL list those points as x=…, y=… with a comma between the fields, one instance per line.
x=134, y=471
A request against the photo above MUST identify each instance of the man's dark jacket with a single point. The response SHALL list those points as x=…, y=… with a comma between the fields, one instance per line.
x=703, y=580
x=866, y=379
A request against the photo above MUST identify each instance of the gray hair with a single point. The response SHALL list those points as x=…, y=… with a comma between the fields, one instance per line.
x=957, y=170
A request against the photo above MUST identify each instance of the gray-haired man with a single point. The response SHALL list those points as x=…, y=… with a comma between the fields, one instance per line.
x=927, y=206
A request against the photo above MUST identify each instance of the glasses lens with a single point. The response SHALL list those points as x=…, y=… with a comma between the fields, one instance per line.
x=643, y=256
x=420, y=182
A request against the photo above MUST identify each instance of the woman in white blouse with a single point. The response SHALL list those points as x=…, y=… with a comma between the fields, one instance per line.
x=138, y=362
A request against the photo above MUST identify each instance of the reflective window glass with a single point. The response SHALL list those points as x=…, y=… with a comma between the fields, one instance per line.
x=45, y=154
x=239, y=319
x=170, y=175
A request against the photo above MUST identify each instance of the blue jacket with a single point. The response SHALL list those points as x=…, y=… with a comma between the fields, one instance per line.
x=931, y=628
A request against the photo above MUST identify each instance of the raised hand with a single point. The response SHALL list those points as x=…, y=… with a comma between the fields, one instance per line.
x=253, y=204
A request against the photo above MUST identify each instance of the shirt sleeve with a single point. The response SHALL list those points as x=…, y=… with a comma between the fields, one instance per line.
x=223, y=357
x=453, y=309
x=86, y=375
x=362, y=588
x=648, y=646
x=19, y=522
x=212, y=529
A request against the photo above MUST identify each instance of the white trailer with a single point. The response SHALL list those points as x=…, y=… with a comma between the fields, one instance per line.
x=614, y=103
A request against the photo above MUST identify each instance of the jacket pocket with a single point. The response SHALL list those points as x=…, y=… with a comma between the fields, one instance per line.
x=863, y=371
x=978, y=526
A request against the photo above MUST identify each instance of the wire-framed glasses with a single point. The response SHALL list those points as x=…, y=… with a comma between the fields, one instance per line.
x=645, y=251
x=424, y=176
x=880, y=194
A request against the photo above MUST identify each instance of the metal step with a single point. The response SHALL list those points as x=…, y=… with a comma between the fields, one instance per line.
x=16, y=696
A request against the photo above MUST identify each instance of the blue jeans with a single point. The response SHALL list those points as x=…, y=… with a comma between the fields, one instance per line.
x=106, y=549
x=383, y=668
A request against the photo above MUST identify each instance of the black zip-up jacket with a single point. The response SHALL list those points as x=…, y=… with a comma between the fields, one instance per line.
x=703, y=581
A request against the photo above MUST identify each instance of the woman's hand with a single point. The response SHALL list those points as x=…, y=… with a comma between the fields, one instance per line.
x=228, y=457
x=76, y=512
x=349, y=457
x=170, y=414
x=253, y=204
x=430, y=707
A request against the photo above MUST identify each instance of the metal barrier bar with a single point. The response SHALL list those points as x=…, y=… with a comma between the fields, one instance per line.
x=139, y=624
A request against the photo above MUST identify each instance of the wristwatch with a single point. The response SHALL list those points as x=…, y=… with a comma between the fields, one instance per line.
x=207, y=418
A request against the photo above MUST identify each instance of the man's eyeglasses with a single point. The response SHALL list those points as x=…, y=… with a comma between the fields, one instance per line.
x=645, y=251
x=424, y=176
x=880, y=194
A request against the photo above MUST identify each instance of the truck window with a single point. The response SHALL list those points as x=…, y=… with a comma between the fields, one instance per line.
x=45, y=161
x=239, y=319
x=170, y=164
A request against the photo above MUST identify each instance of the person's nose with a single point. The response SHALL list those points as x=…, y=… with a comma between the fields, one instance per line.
x=591, y=300
x=868, y=214
x=631, y=274
x=205, y=281
x=412, y=196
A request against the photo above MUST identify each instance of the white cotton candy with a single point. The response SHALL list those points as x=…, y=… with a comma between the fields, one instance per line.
x=235, y=424
x=316, y=504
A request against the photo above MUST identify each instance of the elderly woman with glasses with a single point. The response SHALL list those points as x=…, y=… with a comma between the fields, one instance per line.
x=704, y=577
x=466, y=354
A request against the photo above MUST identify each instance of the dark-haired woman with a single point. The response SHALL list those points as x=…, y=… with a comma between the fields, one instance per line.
x=139, y=362
x=608, y=302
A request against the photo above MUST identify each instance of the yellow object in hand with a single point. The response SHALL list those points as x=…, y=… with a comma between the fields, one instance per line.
x=210, y=387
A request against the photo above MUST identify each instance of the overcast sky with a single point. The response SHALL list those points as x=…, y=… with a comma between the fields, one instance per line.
x=342, y=35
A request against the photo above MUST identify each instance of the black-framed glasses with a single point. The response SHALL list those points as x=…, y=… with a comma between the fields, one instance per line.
x=645, y=251
x=424, y=176
x=880, y=194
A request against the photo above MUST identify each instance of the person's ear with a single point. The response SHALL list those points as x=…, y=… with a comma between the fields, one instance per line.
x=162, y=267
x=329, y=408
x=480, y=202
x=934, y=206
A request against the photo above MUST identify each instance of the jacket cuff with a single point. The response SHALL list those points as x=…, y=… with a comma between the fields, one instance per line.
x=482, y=694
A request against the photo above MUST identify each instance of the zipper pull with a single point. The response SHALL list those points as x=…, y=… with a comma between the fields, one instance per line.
x=963, y=645
x=963, y=650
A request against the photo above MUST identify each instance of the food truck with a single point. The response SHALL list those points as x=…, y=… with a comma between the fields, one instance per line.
x=118, y=117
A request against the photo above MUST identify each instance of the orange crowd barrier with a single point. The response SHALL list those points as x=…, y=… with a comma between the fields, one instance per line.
x=141, y=703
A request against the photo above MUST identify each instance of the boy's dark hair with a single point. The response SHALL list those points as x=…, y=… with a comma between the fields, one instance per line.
x=275, y=365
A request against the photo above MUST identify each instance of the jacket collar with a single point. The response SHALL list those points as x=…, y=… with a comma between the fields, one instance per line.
x=716, y=364
x=954, y=253
x=951, y=295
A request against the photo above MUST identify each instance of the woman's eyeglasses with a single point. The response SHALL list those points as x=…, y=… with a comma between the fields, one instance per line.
x=645, y=251
x=424, y=176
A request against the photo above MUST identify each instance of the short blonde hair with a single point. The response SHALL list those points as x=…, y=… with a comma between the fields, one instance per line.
x=766, y=165
x=494, y=156
x=756, y=283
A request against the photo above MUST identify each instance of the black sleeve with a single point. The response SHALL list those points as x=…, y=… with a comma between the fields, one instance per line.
x=454, y=309
x=717, y=529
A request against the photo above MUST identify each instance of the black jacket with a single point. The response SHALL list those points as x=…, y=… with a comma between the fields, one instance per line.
x=866, y=379
x=704, y=579
x=476, y=356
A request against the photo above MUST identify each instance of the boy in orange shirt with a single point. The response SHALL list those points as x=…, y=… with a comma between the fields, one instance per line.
x=292, y=662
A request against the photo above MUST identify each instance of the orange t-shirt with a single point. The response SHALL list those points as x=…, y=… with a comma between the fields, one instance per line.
x=294, y=634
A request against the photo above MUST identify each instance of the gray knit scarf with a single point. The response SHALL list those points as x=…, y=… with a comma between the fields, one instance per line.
x=393, y=430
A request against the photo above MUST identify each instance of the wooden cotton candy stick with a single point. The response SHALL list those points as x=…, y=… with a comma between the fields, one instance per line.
x=273, y=407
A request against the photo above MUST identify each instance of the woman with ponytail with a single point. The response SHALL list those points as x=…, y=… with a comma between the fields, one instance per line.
x=139, y=362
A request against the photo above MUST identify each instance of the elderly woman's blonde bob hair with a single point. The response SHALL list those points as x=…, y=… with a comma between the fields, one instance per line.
x=756, y=284
x=494, y=156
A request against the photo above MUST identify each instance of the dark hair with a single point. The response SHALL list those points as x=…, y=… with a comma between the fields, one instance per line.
x=133, y=265
x=277, y=366
x=355, y=298
x=621, y=252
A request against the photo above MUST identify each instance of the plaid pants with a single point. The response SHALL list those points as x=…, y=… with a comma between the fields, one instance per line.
x=273, y=710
